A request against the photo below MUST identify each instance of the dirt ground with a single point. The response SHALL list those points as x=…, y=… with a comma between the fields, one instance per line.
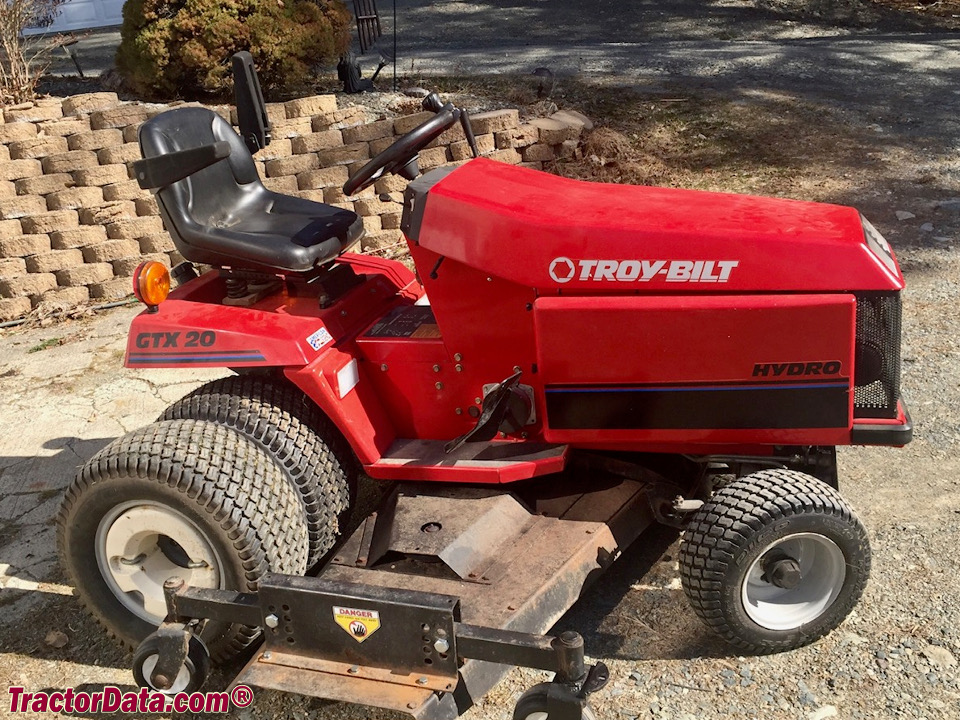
x=65, y=396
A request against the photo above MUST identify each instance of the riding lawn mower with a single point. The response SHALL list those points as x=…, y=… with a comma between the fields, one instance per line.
x=570, y=363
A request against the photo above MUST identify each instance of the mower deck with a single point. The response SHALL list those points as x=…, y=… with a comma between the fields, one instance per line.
x=516, y=565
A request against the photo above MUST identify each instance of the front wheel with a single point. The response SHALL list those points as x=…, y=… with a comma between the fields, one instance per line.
x=774, y=561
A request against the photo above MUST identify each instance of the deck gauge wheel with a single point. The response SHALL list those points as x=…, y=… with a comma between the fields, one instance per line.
x=192, y=673
x=535, y=704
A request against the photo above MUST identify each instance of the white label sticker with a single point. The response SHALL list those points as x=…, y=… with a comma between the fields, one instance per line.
x=320, y=338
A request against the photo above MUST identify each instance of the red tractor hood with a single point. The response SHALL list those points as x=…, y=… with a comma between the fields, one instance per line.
x=557, y=234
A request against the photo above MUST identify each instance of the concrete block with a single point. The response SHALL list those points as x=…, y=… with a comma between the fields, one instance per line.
x=390, y=184
x=33, y=114
x=349, y=116
x=27, y=285
x=75, y=198
x=44, y=184
x=21, y=206
x=14, y=308
x=378, y=146
x=70, y=161
x=344, y=155
x=538, y=153
x=494, y=121
x=119, y=154
x=54, y=260
x=132, y=228
x=373, y=206
x=554, y=132
x=12, y=267
x=157, y=243
x=66, y=296
x=405, y=123
x=123, y=190
x=65, y=126
x=291, y=128
x=77, y=237
x=10, y=228
x=23, y=245
x=101, y=175
x=316, y=141
x=509, y=155
x=148, y=205
x=17, y=169
x=96, y=139
x=278, y=148
x=118, y=117
x=321, y=178
x=110, y=250
x=310, y=106
x=7, y=189
x=460, y=150
x=391, y=221
x=368, y=132
x=124, y=267
x=50, y=221
x=85, y=274
x=433, y=157
x=108, y=213
x=89, y=102
x=131, y=133
x=38, y=147
x=14, y=131
x=372, y=224
x=291, y=165
x=286, y=184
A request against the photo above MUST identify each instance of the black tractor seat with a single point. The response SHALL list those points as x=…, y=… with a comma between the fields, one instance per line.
x=217, y=210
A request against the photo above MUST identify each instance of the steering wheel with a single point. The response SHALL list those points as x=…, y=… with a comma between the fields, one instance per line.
x=403, y=151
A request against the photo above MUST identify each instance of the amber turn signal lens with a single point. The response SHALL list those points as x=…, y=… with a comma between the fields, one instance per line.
x=151, y=283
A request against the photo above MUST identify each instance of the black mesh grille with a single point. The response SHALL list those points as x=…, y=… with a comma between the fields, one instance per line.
x=877, y=363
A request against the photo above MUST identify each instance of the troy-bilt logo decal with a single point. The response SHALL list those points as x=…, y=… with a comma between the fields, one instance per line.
x=563, y=270
x=359, y=624
x=795, y=369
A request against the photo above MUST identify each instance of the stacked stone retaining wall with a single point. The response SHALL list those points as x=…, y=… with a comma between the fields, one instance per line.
x=74, y=224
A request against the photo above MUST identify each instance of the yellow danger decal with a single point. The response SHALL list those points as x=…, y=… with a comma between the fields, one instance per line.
x=359, y=624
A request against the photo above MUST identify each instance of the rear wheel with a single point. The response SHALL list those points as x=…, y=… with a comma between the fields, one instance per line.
x=774, y=560
x=183, y=498
x=297, y=435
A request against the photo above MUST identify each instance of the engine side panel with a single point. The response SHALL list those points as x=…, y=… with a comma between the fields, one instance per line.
x=733, y=369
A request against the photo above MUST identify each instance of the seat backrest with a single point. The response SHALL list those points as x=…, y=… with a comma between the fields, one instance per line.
x=212, y=195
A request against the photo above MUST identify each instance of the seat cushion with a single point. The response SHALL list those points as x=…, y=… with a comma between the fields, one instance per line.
x=224, y=216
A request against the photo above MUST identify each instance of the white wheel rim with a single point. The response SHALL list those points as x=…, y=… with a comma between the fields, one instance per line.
x=822, y=573
x=141, y=544
x=179, y=685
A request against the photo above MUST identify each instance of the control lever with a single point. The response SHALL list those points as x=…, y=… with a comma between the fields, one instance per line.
x=433, y=103
x=468, y=131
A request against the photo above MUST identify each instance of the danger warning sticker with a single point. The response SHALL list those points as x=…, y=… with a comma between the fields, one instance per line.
x=359, y=624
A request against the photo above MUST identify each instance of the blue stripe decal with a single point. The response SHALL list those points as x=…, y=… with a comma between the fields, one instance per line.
x=195, y=358
x=697, y=388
